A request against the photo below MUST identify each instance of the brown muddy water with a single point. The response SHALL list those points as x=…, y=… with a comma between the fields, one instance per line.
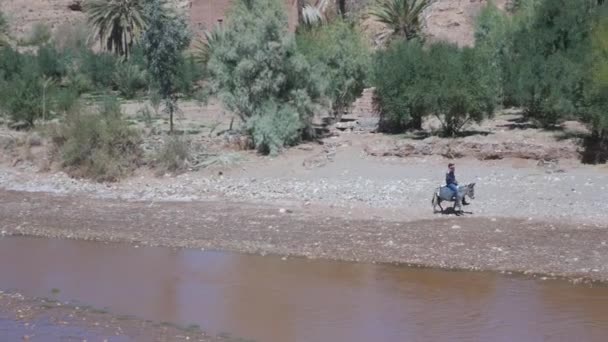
x=272, y=299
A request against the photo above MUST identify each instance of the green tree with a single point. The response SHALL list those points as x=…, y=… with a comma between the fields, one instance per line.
x=597, y=92
x=551, y=52
x=442, y=80
x=400, y=75
x=257, y=72
x=3, y=30
x=164, y=41
x=117, y=23
x=340, y=58
x=493, y=43
x=402, y=17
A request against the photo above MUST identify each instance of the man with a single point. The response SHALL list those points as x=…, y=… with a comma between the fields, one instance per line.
x=452, y=183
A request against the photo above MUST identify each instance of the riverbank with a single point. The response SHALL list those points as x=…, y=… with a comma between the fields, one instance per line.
x=498, y=244
x=36, y=319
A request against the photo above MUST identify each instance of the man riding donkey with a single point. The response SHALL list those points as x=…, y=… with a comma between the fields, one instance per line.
x=452, y=183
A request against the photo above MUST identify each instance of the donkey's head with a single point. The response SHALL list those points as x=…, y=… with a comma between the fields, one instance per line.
x=470, y=190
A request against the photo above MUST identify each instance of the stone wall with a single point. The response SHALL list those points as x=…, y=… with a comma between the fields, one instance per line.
x=205, y=14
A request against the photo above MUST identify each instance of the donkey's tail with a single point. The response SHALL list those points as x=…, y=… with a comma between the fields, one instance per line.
x=435, y=199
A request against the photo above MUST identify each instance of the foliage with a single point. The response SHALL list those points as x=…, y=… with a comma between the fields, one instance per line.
x=21, y=97
x=129, y=78
x=188, y=73
x=206, y=45
x=550, y=54
x=98, y=67
x=4, y=38
x=314, y=14
x=98, y=145
x=65, y=99
x=173, y=155
x=443, y=80
x=402, y=17
x=164, y=41
x=401, y=77
x=494, y=45
x=257, y=72
x=341, y=59
x=52, y=62
x=117, y=23
x=597, y=93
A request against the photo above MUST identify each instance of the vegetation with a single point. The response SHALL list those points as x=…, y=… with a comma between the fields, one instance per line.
x=118, y=24
x=258, y=73
x=164, y=41
x=493, y=43
x=597, y=94
x=173, y=155
x=4, y=38
x=413, y=82
x=98, y=145
x=403, y=18
x=549, y=57
x=313, y=14
x=341, y=60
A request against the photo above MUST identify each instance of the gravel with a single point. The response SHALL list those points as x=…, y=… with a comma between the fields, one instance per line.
x=501, y=244
x=574, y=195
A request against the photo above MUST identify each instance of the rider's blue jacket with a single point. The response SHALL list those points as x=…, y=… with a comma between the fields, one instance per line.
x=450, y=178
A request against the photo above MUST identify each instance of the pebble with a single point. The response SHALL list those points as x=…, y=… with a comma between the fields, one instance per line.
x=456, y=226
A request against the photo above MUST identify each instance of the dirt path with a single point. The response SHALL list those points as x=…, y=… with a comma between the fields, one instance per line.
x=464, y=243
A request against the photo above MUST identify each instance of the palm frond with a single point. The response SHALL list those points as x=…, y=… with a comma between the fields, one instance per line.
x=403, y=17
x=206, y=45
x=314, y=14
x=118, y=24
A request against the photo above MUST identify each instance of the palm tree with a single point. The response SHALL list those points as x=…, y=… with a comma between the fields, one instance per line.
x=210, y=39
x=402, y=17
x=313, y=13
x=117, y=23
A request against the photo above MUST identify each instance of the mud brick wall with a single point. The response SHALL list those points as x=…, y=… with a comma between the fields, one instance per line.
x=205, y=14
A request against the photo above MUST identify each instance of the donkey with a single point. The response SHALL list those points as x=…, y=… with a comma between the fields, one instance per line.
x=446, y=194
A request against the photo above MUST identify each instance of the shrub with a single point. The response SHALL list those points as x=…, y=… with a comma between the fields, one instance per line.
x=173, y=155
x=551, y=50
x=188, y=74
x=493, y=42
x=596, y=95
x=52, y=62
x=98, y=67
x=65, y=99
x=99, y=145
x=21, y=96
x=340, y=58
x=129, y=78
x=443, y=80
x=400, y=75
x=258, y=74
